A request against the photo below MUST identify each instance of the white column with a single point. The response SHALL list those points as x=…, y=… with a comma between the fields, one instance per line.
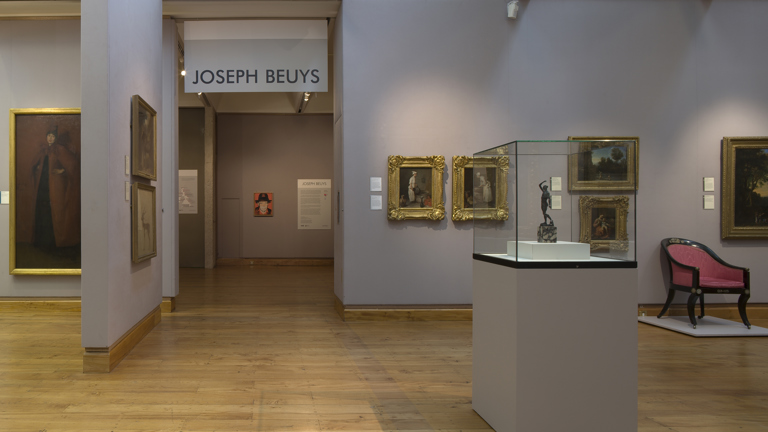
x=170, y=132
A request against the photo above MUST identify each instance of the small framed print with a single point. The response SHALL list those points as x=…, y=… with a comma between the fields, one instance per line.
x=604, y=163
x=263, y=204
x=604, y=222
x=744, y=206
x=415, y=189
x=480, y=188
x=143, y=226
x=143, y=139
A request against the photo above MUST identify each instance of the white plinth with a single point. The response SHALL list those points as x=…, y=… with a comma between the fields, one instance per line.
x=560, y=251
x=554, y=349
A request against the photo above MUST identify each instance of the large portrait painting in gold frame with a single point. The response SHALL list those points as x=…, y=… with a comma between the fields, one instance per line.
x=143, y=139
x=415, y=187
x=604, y=222
x=44, y=191
x=744, y=212
x=604, y=163
x=480, y=188
x=143, y=223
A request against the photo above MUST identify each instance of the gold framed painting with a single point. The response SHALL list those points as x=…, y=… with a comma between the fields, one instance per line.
x=744, y=204
x=480, y=188
x=143, y=222
x=604, y=222
x=604, y=163
x=44, y=194
x=415, y=187
x=143, y=139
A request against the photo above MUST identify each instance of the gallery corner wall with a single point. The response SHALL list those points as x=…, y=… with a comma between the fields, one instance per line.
x=40, y=64
x=452, y=77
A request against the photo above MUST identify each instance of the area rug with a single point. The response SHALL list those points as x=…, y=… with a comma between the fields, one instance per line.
x=706, y=327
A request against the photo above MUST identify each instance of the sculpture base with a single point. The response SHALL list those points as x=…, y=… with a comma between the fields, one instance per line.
x=547, y=234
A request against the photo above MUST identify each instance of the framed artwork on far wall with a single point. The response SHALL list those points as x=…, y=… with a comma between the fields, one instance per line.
x=480, y=188
x=143, y=139
x=604, y=163
x=744, y=203
x=143, y=223
x=604, y=222
x=44, y=196
x=263, y=204
x=415, y=188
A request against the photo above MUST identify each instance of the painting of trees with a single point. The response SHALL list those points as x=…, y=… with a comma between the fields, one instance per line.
x=751, y=187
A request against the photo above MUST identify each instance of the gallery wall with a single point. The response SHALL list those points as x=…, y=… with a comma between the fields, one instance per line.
x=192, y=157
x=451, y=77
x=40, y=64
x=269, y=153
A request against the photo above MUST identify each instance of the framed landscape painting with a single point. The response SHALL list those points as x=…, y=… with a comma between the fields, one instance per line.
x=480, y=188
x=744, y=204
x=604, y=222
x=44, y=194
x=416, y=188
x=143, y=223
x=604, y=163
x=143, y=139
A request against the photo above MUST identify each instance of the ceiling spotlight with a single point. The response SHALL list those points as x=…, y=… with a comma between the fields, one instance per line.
x=200, y=93
x=183, y=73
x=306, y=97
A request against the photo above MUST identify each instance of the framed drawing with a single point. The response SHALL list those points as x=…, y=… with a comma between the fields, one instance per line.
x=604, y=222
x=416, y=188
x=744, y=201
x=143, y=223
x=480, y=188
x=604, y=163
x=143, y=139
x=262, y=204
x=44, y=191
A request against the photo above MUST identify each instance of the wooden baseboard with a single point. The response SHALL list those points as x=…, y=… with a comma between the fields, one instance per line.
x=316, y=262
x=718, y=310
x=26, y=304
x=105, y=359
x=360, y=313
x=168, y=305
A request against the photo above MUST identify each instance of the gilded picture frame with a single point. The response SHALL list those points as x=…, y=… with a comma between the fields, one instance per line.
x=143, y=222
x=143, y=139
x=604, y=222
x=44, y=216
x=617, y=168
x=480, y=188
x=415, y=188
x=744, y=203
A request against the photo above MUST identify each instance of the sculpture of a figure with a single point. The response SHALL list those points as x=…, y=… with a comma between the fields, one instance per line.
x=546, y=202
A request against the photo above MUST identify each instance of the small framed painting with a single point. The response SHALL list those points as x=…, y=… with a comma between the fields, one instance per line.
x=263, y=204
x=415, y=189
x=143, y=223
x=480, y=188
x=604, y=163
x=604, y=222
x=143, y=139
x=745, y=188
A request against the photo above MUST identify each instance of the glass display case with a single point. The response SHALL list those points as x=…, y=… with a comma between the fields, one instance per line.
x=565, y=204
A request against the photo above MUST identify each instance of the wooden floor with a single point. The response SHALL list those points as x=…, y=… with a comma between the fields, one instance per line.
x=262, y=349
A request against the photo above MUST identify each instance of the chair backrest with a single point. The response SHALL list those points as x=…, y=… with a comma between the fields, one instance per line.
x=695, y=254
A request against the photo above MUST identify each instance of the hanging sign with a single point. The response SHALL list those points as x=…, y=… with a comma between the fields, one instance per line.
x=256, y=56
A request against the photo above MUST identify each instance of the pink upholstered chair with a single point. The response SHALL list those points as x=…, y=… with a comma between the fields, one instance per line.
x=696, y=269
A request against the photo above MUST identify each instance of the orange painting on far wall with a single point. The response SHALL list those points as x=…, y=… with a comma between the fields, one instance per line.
x=262, y=204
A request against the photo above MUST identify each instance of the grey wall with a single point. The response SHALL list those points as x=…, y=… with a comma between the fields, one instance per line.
x=192, y=157
x=170, y=151
x=452, y=77
x=40, y=64
x=269, y=153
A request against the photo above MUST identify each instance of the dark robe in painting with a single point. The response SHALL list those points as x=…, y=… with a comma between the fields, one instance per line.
x=56, y=180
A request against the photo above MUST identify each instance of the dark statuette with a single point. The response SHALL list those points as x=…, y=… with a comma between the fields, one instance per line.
x=547, y=232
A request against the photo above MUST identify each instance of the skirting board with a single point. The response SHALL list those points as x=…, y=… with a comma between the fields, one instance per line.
x=315, y=262
x=28, y=304
x=168, y=305
x=403, y=313
x=105, y=359
x=720, y=310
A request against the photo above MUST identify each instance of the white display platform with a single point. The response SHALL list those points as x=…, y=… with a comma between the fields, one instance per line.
x=706, y=327
x=555, y=349
x=560, y=251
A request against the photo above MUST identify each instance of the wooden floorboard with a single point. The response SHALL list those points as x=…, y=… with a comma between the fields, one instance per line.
x=262, y=349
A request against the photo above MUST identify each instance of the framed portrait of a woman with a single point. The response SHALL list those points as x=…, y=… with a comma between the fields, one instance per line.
x=480, y=188
x=416, y=188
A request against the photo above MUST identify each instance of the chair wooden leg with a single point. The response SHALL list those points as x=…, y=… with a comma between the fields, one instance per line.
x=692, y=307
x=743, y=309
x=670, y=297
x=701, y=300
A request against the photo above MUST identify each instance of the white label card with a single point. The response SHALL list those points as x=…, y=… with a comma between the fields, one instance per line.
x=557, y=183
x=5, y=197
x=376, y=202
x=127, y=191
x=557, y=202
x=709, y=202
x=127, y=165
x=375, y=184
x=709, y=184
